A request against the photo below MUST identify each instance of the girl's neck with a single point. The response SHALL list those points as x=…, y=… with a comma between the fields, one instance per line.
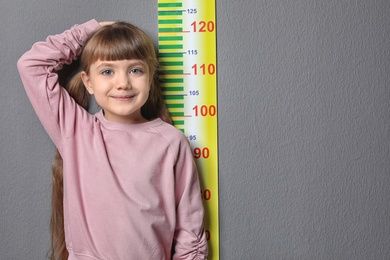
x=130, y=120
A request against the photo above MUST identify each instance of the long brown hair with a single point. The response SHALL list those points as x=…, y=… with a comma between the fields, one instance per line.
x=111, y=42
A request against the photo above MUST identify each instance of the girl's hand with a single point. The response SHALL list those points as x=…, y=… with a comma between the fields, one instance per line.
x=106, y=23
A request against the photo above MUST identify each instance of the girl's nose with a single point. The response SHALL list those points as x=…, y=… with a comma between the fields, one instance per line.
x=124, y=81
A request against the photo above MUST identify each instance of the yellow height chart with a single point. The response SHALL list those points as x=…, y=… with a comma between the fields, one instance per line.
x=187, y=56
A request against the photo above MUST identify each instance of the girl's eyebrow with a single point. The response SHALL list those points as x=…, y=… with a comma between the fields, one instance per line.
x=105, y=64
x=111, y=64
x=137, y=63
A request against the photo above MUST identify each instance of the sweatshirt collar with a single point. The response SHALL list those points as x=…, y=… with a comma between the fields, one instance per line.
x=127, y=127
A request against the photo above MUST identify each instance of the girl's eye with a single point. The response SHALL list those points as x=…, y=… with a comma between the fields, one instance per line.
x=107, y=72
x=136, y=71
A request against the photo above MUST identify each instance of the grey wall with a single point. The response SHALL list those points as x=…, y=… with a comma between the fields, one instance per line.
x=304, y=127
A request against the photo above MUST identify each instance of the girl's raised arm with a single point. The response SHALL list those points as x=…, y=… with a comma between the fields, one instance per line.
x=37, y=70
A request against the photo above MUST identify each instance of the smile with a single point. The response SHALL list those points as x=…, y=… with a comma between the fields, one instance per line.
x=123, y=98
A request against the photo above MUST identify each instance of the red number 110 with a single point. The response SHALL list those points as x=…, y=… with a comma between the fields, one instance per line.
x=204, y=69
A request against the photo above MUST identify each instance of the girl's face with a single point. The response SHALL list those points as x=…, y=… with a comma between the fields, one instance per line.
x=120, y=87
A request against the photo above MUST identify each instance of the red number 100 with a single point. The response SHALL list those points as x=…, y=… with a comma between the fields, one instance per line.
x=205, y=110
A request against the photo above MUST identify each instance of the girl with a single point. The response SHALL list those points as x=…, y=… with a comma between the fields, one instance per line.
x=130, y=185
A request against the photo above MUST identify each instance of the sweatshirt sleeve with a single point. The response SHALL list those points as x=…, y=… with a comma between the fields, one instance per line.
x=56, y=110
x=190, y=238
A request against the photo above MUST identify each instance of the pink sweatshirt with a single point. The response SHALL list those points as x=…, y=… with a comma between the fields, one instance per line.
x=130, y=191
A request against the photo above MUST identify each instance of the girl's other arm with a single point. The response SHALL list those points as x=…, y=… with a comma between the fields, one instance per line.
x=190, y=239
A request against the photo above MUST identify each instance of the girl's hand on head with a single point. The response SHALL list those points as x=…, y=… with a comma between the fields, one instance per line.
x=106, y=23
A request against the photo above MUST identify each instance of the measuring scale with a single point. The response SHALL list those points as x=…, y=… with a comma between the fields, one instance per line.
x=187, y=56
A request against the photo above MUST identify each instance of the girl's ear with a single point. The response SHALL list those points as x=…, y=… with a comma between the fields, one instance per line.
x=87, y=82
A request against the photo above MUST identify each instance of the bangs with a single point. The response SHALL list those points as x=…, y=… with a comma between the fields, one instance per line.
x=119, y=42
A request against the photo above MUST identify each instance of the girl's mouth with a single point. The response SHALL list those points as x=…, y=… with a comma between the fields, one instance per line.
x=124, y=98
